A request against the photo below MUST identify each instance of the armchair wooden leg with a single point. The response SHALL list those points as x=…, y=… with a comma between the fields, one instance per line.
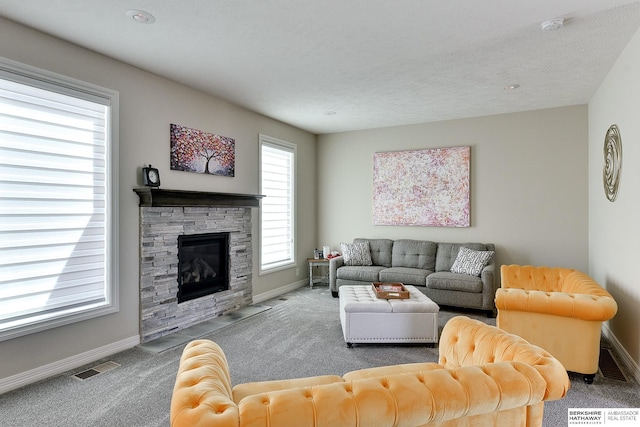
x=589, y=378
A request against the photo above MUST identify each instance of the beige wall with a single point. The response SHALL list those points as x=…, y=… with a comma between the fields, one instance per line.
x=528, y=184
x=148, y=104
x=614, y=228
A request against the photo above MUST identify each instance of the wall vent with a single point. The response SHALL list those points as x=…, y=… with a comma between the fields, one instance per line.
x=608, y=366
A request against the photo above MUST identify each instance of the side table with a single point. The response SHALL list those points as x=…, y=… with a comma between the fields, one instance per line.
x=313, y=262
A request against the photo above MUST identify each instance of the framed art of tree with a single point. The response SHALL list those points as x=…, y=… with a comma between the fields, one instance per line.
x=196, y=151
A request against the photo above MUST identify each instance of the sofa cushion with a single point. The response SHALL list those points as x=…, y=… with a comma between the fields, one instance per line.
x=448, y=252
x=380, y=250
x=448, y=281
x=414, y=254
x=470, y=261
x=362, y=273
x=406, y=275
x=356, y=253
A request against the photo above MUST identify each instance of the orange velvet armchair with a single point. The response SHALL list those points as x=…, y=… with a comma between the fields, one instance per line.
x=484, y=376
x=558, y=309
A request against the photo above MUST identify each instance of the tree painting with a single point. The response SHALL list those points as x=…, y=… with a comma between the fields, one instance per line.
x=193, y=150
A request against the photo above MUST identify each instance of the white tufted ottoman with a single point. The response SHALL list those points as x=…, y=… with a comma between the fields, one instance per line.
x=367, y=319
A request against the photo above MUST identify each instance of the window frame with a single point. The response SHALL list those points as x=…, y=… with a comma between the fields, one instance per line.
x=292, y=149
x=57, y=83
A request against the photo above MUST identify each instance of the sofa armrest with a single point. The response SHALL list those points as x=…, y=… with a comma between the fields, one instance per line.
x=579, y=306
x=202, y=392
x=334, y=263
x=466, y=341
x=405, y=399
x=488, y=278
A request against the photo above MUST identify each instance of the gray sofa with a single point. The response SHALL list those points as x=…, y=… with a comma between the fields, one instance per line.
x=424, y=264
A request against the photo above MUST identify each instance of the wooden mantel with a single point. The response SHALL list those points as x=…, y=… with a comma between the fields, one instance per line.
x=157, y=197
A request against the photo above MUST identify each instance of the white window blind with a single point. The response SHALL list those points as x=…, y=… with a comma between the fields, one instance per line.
x=277, y=208
x=57, y=227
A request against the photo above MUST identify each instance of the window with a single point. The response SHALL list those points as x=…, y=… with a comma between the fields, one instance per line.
x=277, y=160
x=58, y=198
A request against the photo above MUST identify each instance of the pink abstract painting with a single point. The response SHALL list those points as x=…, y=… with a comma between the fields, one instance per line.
x=422, y=187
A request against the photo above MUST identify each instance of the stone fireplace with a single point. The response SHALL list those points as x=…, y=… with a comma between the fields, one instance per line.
x=168, y=218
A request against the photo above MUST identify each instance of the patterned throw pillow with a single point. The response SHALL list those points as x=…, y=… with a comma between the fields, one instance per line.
x=471, y=262
x=356, y=253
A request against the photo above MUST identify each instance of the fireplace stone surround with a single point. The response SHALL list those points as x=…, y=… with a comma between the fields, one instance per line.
x=167, y=214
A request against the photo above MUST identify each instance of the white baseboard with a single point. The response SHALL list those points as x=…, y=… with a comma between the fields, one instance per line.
x=626, y=358
x=43, y=372
x=47, y=371
x=274, y=293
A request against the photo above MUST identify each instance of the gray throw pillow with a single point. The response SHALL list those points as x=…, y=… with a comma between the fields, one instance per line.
x=356, y=253
x=471, y=262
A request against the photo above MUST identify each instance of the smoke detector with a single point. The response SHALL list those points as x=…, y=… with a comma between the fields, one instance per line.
x=141, y=17
x=552, y=24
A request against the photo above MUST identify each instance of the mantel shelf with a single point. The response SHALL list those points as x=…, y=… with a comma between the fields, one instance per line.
x=157, y=197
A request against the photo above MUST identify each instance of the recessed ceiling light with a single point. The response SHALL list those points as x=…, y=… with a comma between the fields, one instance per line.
x=552, y=24
x=141, y=17
x=512, y=87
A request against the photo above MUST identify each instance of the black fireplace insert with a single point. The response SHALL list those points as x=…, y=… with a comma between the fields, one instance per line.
x=203, y=265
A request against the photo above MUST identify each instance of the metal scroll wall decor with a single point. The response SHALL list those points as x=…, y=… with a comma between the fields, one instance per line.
x=612, y=162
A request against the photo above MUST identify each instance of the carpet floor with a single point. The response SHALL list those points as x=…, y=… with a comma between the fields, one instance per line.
x=297, y=335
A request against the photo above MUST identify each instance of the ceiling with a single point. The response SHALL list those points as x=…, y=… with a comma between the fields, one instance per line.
x=338, y=65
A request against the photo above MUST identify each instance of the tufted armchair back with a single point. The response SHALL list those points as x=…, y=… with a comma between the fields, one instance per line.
x=527, y=277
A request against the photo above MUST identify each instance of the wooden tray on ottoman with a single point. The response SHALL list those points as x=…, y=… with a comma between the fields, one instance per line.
x=390, y=290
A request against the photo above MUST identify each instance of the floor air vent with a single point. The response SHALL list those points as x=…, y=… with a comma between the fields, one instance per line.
x=92, y=372
x=608, y=366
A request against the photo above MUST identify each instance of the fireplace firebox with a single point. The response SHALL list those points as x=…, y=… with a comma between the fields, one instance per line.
x=203, y=265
